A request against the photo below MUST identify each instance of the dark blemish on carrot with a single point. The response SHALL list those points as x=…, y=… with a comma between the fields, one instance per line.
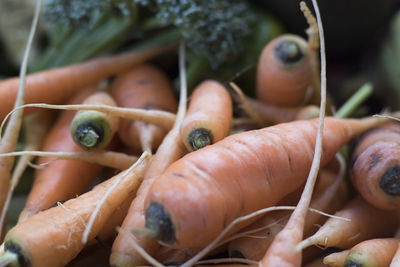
x=236, y=254
x=178, y=175
x=159, y=221
x=390, y=181
x=15, y=249
x=351, y=263
x=143, y=82
x=374, y=159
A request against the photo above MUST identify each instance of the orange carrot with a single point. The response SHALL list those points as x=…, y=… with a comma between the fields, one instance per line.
x=285, y=71
x=93, y=130
x=362, y=225
x=244, y=172
x=396, y=258
x=316, y=263
x=171, y=149
x=209, y=116
x=372, y=253
x=56, y=85
x=62, y=179
x=145, y=87
x=271, y=114
x=376, y=167
x=336, y=259
x=53, y=237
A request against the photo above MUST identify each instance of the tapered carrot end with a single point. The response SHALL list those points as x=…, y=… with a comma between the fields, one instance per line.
x=159, y=222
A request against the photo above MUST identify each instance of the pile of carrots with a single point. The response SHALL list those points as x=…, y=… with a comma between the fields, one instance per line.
x=188, y=183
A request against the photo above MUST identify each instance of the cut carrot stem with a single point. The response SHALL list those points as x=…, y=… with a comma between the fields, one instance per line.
x=93, y=130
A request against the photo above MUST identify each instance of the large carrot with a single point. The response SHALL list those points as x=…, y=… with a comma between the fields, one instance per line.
x=53, y=237
x=208, y=117
x=146, y=87
x=362, y=225
x=209, y=188
x=376, y=166
x=56, y=85
x=62, y=179
x=171, y=149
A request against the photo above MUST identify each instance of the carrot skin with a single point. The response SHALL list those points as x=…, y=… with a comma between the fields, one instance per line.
x=61, y=179
x=336, y=259
x=245, y=172
x=146, y=87
x=56, y=85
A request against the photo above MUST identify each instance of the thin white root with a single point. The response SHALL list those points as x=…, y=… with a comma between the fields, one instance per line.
x=158, y=117
x=111, y=159
x=8, y=258
x=127, y=235
x=218, y=239
x=96, y=211
x=246, y=106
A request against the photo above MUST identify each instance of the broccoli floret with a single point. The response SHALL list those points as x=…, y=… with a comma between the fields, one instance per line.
x=79, y=12
x=214, y=28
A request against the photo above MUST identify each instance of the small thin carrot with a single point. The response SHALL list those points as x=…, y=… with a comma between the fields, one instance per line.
x=35, y=126
x=267, y=114
x=376, y=166
x=208, y=117
x=53, y=237
x=146, y=87
x=56, y=85
x=171, y=149
x=372, y=253
x=93, y=130
x=61, y=179
x=363, y=225
x=336, y=259
x=285, y=71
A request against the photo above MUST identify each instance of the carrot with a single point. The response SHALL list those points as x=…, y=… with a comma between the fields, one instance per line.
x=62, y=179
x=372, y=253
x=396, y=258
x=171, y=149
x=244, y=172
x=53, y=237
x=285, y=71
x=362, y=225
x=267, y=114
x=336, y=259
x=376, y=167
x=316, y=263
x=145, y=87
x=209, y=116
x=56, y=85
x=93, y=130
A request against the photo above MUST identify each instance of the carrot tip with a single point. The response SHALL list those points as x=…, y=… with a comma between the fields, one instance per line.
x=200, y=138
x=390, y=181
x=288, y=52
x=160, y=223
